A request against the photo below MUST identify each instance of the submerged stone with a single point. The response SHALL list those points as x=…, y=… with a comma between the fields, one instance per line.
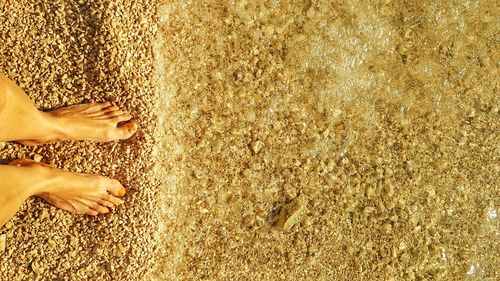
x=292, y=213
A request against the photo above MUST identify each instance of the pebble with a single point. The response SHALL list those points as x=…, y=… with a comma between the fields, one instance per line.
x=3, y=239
x=256, y=146
x=292, y=213
x=37, y=157
x=386, y=228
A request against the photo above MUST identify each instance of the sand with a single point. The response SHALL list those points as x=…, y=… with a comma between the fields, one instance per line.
x=383, y=114
x=69, y=52
x=372, y=126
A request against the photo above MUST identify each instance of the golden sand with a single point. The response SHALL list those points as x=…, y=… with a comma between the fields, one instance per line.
x=383, y=114
x=313, y=140
x=69, y=52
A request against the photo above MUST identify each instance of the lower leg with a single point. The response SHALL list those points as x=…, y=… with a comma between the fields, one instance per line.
x=73, y=192
x=17, y=184
x=19, y=118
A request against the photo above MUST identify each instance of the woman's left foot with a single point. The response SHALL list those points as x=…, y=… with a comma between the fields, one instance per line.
x=74, y=192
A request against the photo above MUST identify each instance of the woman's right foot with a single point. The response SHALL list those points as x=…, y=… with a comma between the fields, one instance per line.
x=91, y=121
x=75, y=192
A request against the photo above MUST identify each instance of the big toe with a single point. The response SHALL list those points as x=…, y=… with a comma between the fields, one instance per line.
x=115, y=188
x=127, y=130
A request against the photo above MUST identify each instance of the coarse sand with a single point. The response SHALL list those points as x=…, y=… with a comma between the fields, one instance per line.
x=371, y=125
x=69, y=52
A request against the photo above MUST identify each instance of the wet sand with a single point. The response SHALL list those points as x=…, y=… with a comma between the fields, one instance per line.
x=382, y=115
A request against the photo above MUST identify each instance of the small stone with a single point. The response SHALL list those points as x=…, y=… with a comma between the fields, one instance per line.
x=393, y=218
x=290, y=192
x=431, y=192
x=404, y=258
x=388, y=190
x=386, y=228
x=3, y=238
x=256, y=146
x=37, y=268
x=388, y=172
x=44, y=213
x=52, y=243
x=37, y=157
x=350, y=250
x=292, y=213
x=73, y=241
x=98, y=250
x=2, y=145
x=357, y=266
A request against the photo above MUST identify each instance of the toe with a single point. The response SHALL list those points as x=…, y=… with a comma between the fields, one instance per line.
x=121, y=118
x=111, y=108
x=115, y=201
x=97, y=107
x=112, y=114
x=30, y=143
x=115, y=188
x=26, y=163
x=100, y=209
x=127, y=130
x=106, y=203
x=91, y=212
x=115, y=113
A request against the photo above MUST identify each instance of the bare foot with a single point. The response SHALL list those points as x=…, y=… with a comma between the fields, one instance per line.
x=74, y=192
x=92, y=121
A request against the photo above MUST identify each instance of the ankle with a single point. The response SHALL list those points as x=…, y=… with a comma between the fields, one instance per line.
x=30, y=179
x=44, y=179
x=53, y=126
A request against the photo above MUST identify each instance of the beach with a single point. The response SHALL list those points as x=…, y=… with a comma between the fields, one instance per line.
x=306, y=140
x=70, y=52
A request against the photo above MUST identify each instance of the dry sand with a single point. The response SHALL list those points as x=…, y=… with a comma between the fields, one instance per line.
x=69, y=52
x=383, y=114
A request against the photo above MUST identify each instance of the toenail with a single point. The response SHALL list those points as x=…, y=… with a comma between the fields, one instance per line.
x=121, y=192
x=131, y=127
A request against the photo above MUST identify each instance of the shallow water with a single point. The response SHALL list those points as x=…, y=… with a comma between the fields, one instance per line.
x=384, y=114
